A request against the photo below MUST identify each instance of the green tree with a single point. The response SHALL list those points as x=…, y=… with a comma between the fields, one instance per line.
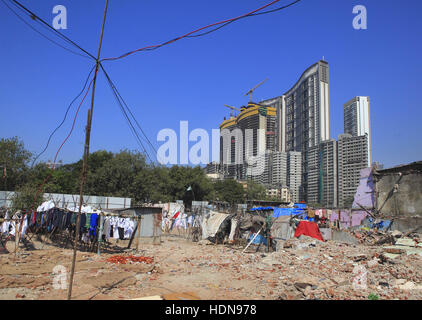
x=116, y=176
x=27, y=197
x=152, y=185
x=13, y=163
x=255, y=191
x=229, y=191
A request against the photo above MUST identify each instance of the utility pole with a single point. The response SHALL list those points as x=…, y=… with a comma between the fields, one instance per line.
x=85, y=158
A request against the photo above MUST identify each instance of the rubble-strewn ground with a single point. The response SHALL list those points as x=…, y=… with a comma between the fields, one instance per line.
x=303, y=269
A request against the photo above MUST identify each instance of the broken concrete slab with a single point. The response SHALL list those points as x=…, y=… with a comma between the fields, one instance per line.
x=343, y=236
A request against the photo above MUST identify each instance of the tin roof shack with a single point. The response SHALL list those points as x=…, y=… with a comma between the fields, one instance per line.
x=399, y=195
x=148, y=226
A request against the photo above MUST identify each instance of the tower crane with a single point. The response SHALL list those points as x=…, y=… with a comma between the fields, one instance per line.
x=253, y=89
x=231, y=108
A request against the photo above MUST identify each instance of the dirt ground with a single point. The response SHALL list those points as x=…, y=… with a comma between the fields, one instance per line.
x=303, y=269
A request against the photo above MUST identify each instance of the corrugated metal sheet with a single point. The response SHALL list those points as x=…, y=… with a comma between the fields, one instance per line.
x=69, y=200
x=151, y=225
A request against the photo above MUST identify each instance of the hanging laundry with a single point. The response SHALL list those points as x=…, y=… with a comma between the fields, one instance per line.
x=82, y=223
x=88, y=221
x=106, y=228
x=93, y=224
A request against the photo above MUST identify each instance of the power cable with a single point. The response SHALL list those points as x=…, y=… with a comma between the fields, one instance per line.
x=249, y=15
x=226, y=22
x=131, y=126
x=37, y=18
x=130, y=112
x=40, y=33
x=64, y=119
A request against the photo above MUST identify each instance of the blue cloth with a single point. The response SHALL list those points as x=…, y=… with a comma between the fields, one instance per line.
x=278, y=212
x=262, y=208
x=300, y=205
x=259, y=239
x=93, y=224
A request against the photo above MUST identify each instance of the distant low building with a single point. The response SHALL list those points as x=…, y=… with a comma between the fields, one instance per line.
x=283, y=194
x=215, y=176
x=50, y=164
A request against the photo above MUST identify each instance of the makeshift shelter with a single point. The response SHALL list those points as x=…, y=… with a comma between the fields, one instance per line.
x=308, y=228
x=365, y=191
x=211, y=223
x=148, y=222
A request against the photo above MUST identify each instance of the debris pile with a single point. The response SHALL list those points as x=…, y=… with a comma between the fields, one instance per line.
x=117, y=259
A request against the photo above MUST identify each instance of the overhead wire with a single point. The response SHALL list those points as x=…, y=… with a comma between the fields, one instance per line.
x=33, y=16
x=118, y=97
x=121, y=104
x=40, y=33
x=225, y=22
x=249, y=15
x=64, y=118
x=129, y=110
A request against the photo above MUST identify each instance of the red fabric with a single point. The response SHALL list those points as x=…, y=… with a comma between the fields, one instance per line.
x=308, y=229
x=176, y=215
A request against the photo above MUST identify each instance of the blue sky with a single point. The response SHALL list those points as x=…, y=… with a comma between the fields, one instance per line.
x=193, y=78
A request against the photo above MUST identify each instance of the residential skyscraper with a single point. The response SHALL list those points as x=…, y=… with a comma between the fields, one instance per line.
x=294, y=174
x=259, y=120
x=228, y=149
x=357, y=120
x=352, y=158
x=322, y=185
x=279, y=169
x=303, y=115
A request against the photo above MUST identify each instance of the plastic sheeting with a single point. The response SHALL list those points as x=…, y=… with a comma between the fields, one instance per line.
x=308, y=229
x=211, y=223
x=262, y=208
x=365, y=191
x=45, y=206
x=358, y=217
x=259, y=239
x=278, y=212
x=233, y=229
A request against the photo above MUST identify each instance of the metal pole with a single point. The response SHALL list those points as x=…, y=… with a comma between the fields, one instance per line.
x=85, y=159
x=100, y=234
x=252, y=239
x=138, y=240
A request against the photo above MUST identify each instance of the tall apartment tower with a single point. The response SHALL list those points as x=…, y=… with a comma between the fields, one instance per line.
x=251, y=133
x=357, y=120
x=352, y=157
x=279, y=169
x=294, y=174
x=228, y=149
x=322, y=184
x=303, y=115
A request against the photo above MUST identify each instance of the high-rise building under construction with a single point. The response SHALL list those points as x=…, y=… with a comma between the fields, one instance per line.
x=303, y=116
x=249, y=134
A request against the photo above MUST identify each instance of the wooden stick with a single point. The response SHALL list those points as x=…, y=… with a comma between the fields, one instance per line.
x=252, y=239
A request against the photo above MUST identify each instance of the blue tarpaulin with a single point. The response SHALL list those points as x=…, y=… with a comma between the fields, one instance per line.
x=259, y=239
x=278, y=212
x=381, y=225
x=300, y=205
x=262, y=208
